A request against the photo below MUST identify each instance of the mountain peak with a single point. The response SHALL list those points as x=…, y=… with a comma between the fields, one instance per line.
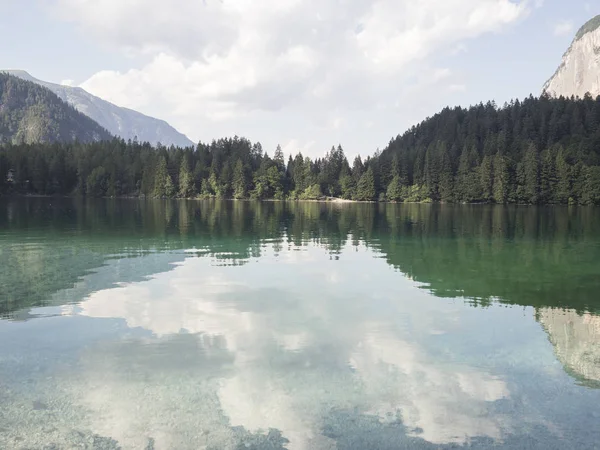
x=24, y=75
x=577, y=74
x=122, y=122
x=31, y=113
x=591, y=25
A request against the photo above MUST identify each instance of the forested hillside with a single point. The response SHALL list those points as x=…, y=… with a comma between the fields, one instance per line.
x=30, y=113
x=538, y=151
x=120, y=122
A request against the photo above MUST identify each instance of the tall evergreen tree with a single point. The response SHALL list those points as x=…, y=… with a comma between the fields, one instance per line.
x=358, y=168
x=187, y=188
x=163, y=184
x=240, y=186
x=394, y=190
x=347, y=184
x=564, y=183
x=279, y=159
x=446, y=177
x=548, y=177
x=487, y=179
x=365, y=190
x=501, y=179
x=528, y=176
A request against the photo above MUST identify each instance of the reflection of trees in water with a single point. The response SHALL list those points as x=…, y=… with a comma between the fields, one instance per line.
x=521, y=255
x=525, y=256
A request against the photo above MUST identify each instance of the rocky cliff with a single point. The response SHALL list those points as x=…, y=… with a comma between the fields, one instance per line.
x=579, y=70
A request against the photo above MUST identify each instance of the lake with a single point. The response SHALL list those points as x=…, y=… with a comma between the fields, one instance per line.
x=233, y=325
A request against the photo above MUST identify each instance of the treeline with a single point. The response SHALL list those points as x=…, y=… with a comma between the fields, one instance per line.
x=227, y=168
x=538, y=151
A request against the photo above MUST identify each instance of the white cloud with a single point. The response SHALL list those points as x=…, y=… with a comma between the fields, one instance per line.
x=563, y=28
x=295, y=146
x=67, y=82
x=460, y=48
x=216, y=62
x=457, y=88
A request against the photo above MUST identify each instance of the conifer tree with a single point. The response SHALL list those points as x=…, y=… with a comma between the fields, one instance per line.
x=365, y=190
x=163, y=184
x=501, y=179
x=563, y=177
x=187, y=188
x=394, y=190
x=487, y=179
x=240, y=187
x=528, y=176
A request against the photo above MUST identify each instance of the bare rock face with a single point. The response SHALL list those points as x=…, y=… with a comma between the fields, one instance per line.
x=579, y=71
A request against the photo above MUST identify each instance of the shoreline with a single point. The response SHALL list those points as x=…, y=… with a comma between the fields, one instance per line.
x=332, y=200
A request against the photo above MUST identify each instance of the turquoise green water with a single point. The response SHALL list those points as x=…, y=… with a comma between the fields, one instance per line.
x=228, y=325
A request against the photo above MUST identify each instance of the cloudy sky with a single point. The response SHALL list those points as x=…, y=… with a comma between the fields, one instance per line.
x=306, y=74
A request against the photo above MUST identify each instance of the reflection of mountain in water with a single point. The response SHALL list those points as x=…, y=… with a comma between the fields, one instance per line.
x=576, y=341
x=327, y=352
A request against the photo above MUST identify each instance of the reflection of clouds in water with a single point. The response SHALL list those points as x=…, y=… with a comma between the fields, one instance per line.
x=137, y=391
x=301, y=347
x=446, y=403
x=186, y=302
x=255, y=402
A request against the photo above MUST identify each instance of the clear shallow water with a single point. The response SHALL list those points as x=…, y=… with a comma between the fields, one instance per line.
x=186, y=325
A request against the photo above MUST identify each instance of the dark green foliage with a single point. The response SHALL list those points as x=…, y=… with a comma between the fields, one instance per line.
x=591, y=186
x=30, y=113
x=537, y=151
x=365, y=190
x=97, y=182
x=564, y=183
x=501, y=179
x=187, y=188
x=486, y=174
x=312, y=193
x=347, y=186
x=240, y=183
x=540, y=150
x=163, y=184
x=394, y=190
x=528, y=177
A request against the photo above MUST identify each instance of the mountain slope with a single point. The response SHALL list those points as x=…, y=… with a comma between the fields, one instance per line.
x=539, y=150
x=123, y=122
x=579, y=70
x=30, y=113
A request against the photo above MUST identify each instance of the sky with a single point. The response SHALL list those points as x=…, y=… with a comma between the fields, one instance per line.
x=305, y=74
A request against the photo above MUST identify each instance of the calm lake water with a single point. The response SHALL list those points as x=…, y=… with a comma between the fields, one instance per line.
x=233, y=325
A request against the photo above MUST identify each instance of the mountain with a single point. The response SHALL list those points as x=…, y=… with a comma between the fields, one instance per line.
x=123, y=122
x=30, y=113
x=579, y=71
